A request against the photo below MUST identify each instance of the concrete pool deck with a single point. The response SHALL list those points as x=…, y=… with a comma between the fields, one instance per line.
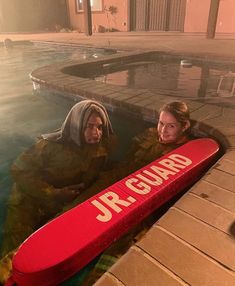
x=194, y=242
x=196, y=43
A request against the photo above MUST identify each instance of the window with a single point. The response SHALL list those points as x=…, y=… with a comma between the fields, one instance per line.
x=79, y=5
x=96, y=5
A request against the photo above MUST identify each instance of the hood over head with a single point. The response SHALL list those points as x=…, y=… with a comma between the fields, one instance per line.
x=73, y=127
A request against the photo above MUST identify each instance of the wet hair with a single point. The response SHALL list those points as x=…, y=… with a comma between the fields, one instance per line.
x=178, y=109
x=73, y=127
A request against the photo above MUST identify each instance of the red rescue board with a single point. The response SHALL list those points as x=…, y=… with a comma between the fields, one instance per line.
x=69, y=242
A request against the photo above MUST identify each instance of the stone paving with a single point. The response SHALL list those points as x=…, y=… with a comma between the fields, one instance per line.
x=193, y=243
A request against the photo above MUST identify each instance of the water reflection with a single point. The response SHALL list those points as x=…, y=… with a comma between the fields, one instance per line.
x=226, y=86
x=172, y=78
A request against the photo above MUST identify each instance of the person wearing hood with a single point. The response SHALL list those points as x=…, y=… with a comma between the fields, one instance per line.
x=172, y=130
x=56, y=170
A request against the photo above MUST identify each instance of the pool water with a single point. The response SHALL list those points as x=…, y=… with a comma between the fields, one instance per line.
x=173, y=76
x=24, y=115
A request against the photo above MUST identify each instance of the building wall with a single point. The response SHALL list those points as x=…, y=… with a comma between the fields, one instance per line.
x=196, y=17
x=32, y=15
x=226, y=17
x=117, y=21
x=9, y=18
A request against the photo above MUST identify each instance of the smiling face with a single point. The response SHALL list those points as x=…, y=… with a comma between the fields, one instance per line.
x=94, y=129
x=169, y=129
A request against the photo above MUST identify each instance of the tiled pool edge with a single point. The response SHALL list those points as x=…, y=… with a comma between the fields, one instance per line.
x=210, y=119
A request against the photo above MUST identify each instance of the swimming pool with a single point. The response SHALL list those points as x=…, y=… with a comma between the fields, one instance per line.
x=141, y=82
x=24, y=115
x=172, y=76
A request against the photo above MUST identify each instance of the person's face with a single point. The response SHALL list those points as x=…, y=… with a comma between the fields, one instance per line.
x=94, y=129
x=169, y=129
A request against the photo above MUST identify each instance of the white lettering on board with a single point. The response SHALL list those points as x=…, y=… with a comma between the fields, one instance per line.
x=140, y=183
x=151, y=178
x=106, y=214
x=113, y=201
x=162, y=172
x=181, y=159
x=139, y=187
x=170, y=164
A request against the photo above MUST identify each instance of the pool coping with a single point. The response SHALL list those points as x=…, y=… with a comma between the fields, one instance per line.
x=142, y=102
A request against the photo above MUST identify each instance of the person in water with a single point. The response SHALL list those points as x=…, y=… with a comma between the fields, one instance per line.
x=53, y=172
x=172, y=131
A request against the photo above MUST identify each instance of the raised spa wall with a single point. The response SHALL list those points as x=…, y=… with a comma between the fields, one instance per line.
x=65, y=78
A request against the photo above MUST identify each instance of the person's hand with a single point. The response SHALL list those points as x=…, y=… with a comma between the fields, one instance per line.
x=69, y=193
